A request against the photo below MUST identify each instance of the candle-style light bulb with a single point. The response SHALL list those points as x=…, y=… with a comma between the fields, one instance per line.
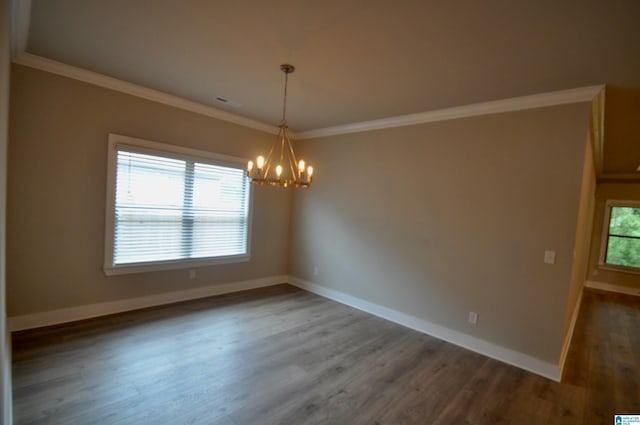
x=250, y=166
x=260, y=161
x=310, y=171
x=301, y=166
x=279, y=170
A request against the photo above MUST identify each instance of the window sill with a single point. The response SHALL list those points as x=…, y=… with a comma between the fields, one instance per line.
x=620, y=269
x=173, y=265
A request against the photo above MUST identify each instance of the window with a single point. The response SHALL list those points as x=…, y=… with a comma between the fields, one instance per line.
x=621, y=236
x=171, y=207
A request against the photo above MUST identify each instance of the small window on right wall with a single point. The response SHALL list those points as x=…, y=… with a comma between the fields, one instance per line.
x=621, y=236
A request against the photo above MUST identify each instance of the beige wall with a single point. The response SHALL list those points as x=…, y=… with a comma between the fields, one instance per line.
x=56, y=193
x=605, y=191
x=432, y=220
x=440, y=219
x=583, y=236
x=5, y=352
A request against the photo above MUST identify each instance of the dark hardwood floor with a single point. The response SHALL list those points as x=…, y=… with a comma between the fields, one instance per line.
x=281, y=355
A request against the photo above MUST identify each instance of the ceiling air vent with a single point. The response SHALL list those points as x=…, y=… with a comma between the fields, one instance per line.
x=228, y=102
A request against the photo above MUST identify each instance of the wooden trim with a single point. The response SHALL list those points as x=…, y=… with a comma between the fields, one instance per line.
x=70, y=314
x=619, y=178
x=569, y=337
x=505, y=355
x=597, y=129
x=612, y=288
x=20, y=21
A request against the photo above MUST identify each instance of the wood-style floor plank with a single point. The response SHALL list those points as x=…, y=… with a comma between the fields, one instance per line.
x=281, y=355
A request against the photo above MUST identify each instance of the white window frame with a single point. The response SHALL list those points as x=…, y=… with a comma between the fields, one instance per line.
x=602, y=264
x=167, y=150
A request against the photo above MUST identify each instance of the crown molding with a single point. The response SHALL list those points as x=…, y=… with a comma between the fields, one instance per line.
x=59, y=68
x=583, y=94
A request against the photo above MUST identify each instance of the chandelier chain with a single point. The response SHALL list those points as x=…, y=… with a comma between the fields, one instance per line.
x=284, y=102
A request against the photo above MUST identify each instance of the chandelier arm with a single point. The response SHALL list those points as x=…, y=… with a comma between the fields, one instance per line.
x=284, y=136
x=292, y=167
x=267, y=162
x=266, y=169
x=293, y=162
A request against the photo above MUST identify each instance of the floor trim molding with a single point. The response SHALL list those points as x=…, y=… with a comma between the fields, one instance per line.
x=505, y=355
x=54, y=317
x=612, y=288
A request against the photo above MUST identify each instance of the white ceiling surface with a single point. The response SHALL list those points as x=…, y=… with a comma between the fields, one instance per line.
x=356, y=60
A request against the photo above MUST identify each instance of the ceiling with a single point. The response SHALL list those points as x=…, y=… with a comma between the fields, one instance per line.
x=356, y=60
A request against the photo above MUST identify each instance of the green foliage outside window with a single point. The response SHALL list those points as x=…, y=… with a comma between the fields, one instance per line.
x=623, y=245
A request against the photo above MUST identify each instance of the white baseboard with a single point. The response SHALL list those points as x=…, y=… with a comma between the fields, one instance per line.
x=506, y=355
x=569, y=336
x=612, y=288
x=54, y=317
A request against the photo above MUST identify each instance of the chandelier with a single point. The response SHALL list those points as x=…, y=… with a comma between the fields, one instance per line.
x=280, y=167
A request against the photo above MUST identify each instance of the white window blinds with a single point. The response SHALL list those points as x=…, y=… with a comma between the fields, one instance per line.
x=170, y=208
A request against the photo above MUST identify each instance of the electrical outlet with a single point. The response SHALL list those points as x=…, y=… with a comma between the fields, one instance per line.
x=549, y=257
x=473, y=317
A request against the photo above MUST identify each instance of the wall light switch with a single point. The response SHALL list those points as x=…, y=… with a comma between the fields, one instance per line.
x=550, y=257
x=473, y=317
